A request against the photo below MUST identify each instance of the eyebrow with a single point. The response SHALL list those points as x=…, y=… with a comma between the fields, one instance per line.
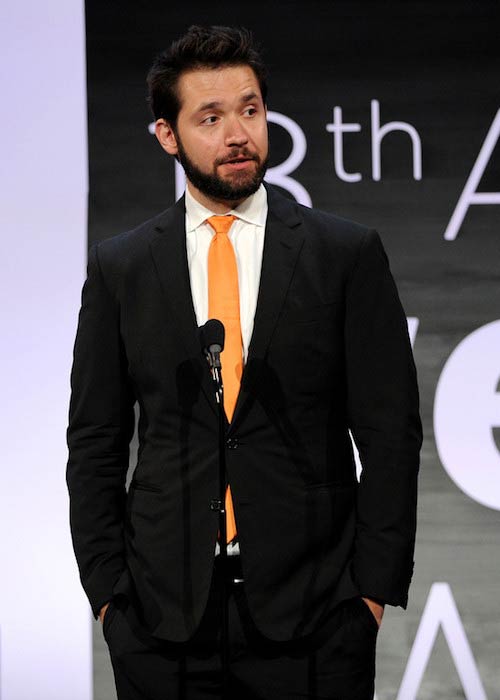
x=208, y=105
x=216, y=104
x=249, y=97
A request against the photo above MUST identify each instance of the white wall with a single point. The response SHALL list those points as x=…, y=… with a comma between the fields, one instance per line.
x=45, y=627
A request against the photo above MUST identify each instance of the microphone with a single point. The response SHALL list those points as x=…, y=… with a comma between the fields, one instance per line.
x=212, y=342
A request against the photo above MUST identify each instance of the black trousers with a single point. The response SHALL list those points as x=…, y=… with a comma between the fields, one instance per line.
x=336, y=663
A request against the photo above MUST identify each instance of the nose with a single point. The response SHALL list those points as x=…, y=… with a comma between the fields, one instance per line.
x=236, y=134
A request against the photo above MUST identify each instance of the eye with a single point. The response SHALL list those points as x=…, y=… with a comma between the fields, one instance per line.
x=211, y=119
x=250, y=111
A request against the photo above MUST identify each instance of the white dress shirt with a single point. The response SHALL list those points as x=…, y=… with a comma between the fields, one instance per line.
x=247, y=236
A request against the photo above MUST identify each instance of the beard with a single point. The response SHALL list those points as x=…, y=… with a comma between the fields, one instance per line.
x=241, y=185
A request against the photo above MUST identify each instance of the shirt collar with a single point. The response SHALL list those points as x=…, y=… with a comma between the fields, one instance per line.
x=253, y=210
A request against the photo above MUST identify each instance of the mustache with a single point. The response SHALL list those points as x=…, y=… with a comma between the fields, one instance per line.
x=238, y=153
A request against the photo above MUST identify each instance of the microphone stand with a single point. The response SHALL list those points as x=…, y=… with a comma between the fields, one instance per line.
x=213, y=357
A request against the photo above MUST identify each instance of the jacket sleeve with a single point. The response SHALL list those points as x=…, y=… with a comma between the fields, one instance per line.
x=100, y=428
x=383, y=408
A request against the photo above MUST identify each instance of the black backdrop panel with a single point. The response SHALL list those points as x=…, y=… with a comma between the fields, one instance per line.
x=432, y=65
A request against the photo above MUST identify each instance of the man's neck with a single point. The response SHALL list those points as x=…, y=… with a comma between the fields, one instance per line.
x=215, y=205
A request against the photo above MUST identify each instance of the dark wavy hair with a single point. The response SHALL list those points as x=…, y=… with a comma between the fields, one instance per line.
x=200, y=47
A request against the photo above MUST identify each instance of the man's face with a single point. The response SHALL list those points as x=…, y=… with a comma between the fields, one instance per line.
x=221, y=133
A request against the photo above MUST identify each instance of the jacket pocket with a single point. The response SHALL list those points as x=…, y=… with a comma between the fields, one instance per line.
x=142, y=486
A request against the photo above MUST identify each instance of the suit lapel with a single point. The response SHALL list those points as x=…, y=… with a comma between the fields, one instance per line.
x=282, y=244
x=168, y=249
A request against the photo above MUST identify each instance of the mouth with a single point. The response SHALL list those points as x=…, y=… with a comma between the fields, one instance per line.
x=238, y=163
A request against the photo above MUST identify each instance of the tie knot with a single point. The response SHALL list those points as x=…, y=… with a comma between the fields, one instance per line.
x=221, y=224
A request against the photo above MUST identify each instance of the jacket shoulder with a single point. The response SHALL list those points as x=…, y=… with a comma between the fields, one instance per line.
x=121, y=246
x=325, y=226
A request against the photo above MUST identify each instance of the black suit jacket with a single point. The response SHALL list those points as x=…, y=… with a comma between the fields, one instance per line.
x=329, y=353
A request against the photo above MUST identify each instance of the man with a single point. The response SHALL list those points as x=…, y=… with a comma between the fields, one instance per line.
x=316, y=345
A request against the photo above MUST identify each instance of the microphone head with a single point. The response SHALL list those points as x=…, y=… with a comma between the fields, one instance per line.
x=212, y=333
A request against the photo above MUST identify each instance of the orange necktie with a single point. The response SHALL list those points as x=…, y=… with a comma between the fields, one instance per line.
x=224, y=304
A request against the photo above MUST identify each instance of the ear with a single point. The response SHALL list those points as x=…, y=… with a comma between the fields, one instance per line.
x=166, y=136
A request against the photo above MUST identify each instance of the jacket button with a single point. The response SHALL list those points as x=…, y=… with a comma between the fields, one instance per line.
x=232, y=443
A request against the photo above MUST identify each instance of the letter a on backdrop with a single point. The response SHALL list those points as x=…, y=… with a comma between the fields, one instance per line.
x=441, y=611
x=470, y=195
